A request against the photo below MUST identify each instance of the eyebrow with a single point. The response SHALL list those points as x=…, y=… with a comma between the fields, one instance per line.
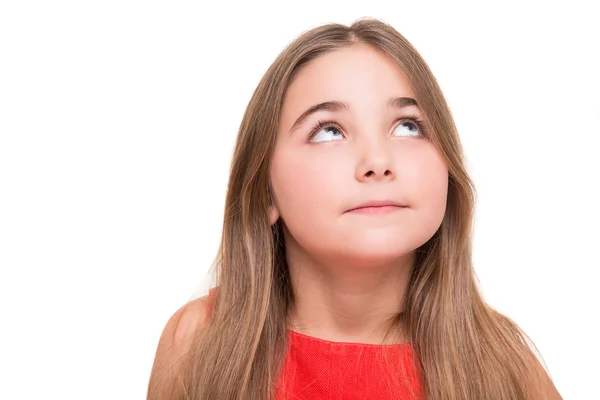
x=336, y=106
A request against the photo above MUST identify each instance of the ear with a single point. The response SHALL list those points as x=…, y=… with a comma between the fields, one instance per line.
x=273, y=214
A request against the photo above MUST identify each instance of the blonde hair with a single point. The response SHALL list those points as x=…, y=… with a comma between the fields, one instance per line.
x=463, y=348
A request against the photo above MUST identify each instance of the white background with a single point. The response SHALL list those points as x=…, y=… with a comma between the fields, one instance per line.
x=117, y=124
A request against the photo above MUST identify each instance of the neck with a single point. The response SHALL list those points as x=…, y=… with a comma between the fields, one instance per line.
x=348, y=303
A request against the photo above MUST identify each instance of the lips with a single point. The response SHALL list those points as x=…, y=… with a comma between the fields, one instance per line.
x=378, y=203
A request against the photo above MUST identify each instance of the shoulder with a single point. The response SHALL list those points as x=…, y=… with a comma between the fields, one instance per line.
x=183, y=323
x=175, y=341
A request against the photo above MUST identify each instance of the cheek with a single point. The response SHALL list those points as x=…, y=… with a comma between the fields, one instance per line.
x=308, y=194
x=428, y=176
x=307, y=185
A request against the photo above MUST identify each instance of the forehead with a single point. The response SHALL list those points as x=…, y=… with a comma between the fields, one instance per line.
x=358, y=75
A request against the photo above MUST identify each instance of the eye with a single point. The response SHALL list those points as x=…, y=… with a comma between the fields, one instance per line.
x=325, y=131
x=412, y=125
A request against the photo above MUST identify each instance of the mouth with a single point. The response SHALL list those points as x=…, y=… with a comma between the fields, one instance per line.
x=376, y=210
x=377, y=207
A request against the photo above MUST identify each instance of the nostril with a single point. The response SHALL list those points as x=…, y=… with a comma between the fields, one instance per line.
x=386, y=173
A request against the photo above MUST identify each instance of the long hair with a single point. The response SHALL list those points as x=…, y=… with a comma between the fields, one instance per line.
x=464, y=349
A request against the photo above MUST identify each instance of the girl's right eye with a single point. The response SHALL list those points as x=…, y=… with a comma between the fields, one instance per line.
x=325, y=131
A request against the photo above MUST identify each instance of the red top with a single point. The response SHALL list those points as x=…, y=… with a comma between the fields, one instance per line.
x=319, y=369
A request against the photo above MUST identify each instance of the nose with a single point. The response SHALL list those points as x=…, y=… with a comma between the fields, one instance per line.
x=375, y=162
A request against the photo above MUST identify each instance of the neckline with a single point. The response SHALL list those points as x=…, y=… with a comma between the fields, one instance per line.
x=305, y=337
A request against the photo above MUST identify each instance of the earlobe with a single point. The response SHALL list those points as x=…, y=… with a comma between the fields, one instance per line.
x=273, y=214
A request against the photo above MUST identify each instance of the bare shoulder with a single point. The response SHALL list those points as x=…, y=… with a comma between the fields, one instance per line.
x=184, y=321
x=174, y=342
x=182, y=324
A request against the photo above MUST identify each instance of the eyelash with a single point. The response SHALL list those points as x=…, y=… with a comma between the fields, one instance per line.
x=330, y=123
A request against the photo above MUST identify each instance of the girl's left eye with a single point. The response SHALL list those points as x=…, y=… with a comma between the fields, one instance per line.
x=414, y=121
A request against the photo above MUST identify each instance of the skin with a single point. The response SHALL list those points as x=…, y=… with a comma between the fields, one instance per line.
x=349, y=270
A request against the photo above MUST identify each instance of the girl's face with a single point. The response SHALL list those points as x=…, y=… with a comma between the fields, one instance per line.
x=368, y=151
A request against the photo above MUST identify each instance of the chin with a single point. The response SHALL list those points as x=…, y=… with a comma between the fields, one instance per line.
x=372, y=256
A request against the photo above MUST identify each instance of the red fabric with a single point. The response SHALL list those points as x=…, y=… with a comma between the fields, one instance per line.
x=321, y=369
x=318, y=369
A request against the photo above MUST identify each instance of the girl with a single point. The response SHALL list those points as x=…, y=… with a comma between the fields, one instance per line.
x=344, y=270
